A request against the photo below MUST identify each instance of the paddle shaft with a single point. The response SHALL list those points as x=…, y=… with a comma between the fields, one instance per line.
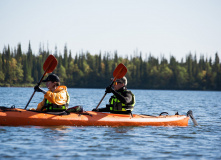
x=104, y=95
x=35, y=91
x=101, y=100
x=39, y=83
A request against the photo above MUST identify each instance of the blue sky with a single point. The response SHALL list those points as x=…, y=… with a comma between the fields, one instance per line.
x=159, y=27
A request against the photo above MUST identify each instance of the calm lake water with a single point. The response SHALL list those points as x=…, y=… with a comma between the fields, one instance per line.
x=192, y=142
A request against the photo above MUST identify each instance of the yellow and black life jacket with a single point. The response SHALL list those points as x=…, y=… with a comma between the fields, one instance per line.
x=117, y=106
x=51, y=107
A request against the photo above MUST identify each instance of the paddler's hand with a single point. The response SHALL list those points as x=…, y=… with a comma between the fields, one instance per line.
x=38, y=89
x=108, y=89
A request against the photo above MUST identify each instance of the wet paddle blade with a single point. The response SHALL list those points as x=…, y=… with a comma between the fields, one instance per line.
x=120, y=71
x=50, y=64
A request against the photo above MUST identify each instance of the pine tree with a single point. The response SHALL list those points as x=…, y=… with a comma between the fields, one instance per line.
x=65, y=59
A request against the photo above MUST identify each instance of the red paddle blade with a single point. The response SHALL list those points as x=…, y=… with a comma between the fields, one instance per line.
x=119, y=71
x=50, y=64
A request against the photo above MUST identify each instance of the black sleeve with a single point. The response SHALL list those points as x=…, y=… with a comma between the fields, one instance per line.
x=125, y=97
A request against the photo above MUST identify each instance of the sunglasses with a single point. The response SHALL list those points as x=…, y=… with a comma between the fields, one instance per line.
x=116, y=83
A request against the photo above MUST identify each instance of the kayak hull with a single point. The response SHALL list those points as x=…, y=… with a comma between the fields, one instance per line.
x=21, y=117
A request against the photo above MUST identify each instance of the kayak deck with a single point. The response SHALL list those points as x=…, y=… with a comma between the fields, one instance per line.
x=21, y=117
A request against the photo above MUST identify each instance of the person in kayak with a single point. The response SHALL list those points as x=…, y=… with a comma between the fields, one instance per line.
x=56, y=98
x=122, y=101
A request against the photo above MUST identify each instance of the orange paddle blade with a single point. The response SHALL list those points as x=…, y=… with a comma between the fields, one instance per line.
x=120, y=71
x=50, y=64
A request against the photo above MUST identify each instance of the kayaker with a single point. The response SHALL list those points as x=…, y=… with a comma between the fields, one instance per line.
x=122, y=101
x=56, y=98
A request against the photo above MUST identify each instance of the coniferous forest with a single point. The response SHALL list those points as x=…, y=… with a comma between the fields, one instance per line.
x=85, y=70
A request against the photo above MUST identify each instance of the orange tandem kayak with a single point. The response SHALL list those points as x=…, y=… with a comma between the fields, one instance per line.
x=21, y=117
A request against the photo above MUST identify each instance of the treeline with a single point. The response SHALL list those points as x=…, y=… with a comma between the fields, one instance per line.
x=94, y=71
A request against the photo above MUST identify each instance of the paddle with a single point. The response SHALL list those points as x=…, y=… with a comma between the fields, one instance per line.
x=118, y=73
x=190, y=113
x=49, y=65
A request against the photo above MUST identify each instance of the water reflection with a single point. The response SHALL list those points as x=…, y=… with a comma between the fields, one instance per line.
x=54, y=128
x=122, y=129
